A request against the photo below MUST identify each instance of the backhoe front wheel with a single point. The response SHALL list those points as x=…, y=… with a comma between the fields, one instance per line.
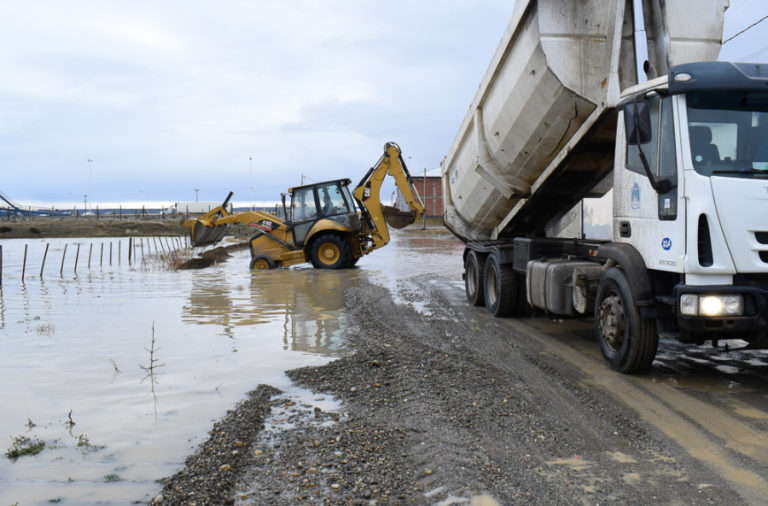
x=331, y=252
x=262, y=262
x=627, y=341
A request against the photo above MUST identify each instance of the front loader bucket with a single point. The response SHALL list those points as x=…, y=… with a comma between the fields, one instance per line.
x=202, y=235
x=397, y=218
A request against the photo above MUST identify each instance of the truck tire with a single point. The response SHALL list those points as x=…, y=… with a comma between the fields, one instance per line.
x=474, y=278
x=501, y=291
x=331, y=252
x=627, y=341
x=262, y=262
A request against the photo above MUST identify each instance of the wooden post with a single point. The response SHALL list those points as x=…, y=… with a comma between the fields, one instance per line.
x=130, y=243
x=161, y=244
x=110, y=253
x=45, y=255
x=142, y=248
x=134, y=250
x=154, y=241
x=77, y=257
x=101, y=262
x=90, y=251
x=24, y=266
x=61, y=272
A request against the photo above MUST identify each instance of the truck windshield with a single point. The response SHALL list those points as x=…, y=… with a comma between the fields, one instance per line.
x=729, y=133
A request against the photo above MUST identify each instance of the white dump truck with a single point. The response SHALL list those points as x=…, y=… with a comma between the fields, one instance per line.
x=586, y=96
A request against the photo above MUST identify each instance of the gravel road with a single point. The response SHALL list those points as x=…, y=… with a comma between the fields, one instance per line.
x=439, y=406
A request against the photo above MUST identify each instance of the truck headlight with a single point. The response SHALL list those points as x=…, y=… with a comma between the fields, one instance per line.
x=689, y=304
x=711, y=305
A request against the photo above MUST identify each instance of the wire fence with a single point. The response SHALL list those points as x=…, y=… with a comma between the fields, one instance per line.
x=166, y=251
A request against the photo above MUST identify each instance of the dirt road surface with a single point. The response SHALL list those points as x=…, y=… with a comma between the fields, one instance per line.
x=442, y=402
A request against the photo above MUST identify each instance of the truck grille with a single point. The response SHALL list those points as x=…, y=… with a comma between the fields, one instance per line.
x=762, y=237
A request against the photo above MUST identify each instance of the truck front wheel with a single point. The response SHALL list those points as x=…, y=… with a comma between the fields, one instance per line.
x=474, y=278
x=627, y=341
x=501, y=292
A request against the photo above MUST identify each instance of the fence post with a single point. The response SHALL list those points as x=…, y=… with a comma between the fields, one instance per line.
x=110, y=253
x=77, y=257
x=45, y=255
x=130, y=243
x=119, y=252
x=24, y=266
x=101, y=261
x=61, y=272
x=90, y=251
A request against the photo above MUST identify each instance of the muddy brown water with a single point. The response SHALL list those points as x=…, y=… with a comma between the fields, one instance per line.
x=79, y=343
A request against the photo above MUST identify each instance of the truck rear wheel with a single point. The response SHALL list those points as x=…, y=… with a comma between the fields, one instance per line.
x=474, y=278
x=501, y=292
x=331, y=252
x=627, y=341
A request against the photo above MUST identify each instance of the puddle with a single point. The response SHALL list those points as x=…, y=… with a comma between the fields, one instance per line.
x=77, y=342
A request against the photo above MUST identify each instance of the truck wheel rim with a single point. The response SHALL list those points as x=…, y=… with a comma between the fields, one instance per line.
x=329, y=254
x=491, y=286
x=612, y=321
x=471, y=278
x=261, y=263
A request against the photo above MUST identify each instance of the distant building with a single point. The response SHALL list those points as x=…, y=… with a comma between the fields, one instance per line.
x=430, y=190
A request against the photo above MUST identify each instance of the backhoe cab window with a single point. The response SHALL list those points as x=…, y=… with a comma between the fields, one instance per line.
x=303, y=205
x=331, y=200
x=729, y=133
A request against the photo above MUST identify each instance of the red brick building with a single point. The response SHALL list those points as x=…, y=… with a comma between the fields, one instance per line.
x=430, y=190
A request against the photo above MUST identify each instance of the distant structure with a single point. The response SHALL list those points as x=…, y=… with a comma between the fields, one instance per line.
x=430, y=190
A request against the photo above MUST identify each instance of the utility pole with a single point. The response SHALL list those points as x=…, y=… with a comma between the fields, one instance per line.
x=89, y=176
x=250, y=162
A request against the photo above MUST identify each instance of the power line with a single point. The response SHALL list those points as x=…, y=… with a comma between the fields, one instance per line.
x=747, y=28
x=731, y=11
x=759, y=51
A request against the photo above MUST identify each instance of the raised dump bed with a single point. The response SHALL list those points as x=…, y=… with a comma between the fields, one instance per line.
x=540, y=132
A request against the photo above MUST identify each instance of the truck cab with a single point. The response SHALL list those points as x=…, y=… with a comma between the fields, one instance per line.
x=702, y=232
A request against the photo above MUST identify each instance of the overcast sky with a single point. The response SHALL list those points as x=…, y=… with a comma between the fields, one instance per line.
x=166, y=97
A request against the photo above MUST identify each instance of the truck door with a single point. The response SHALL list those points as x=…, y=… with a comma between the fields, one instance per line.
x=651, y=222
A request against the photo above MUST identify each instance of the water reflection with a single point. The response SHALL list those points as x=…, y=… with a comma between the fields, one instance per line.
x=307, y=301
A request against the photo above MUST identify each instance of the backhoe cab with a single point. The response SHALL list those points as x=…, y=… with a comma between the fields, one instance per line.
x=326, y=224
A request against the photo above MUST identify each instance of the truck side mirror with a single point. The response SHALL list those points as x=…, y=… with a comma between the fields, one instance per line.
x=637, y=122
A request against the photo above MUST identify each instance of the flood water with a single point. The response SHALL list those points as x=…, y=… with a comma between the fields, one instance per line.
x=81, y=344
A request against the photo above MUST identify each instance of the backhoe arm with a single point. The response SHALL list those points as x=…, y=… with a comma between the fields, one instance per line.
x=367, y=193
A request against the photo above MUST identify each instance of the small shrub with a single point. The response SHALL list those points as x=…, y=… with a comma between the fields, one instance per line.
x=5, y=229
x=111, y=477
x=45, y=329
x=35, y=230
x=23, y=446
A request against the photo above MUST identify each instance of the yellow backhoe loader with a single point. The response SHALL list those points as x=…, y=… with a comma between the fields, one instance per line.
x=327, y=224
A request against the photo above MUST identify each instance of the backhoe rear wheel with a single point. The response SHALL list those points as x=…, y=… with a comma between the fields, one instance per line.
x=262, y=262
x=331, y=252
x=474, y=277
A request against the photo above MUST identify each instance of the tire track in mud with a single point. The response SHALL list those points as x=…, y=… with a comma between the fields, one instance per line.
x=487, y=408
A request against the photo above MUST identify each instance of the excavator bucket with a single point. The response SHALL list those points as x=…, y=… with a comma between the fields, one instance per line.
x=397, y=218
x=202, y=235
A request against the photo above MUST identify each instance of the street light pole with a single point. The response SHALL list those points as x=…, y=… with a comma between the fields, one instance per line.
x=196, y=195
x=89, y=175
x=250, y=161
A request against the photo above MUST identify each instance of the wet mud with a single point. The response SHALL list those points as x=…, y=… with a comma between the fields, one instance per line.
x=213, y=256
x=444, y=403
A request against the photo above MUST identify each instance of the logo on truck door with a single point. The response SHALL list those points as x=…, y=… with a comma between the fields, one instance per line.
x=666, y=243
x=635, y=196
